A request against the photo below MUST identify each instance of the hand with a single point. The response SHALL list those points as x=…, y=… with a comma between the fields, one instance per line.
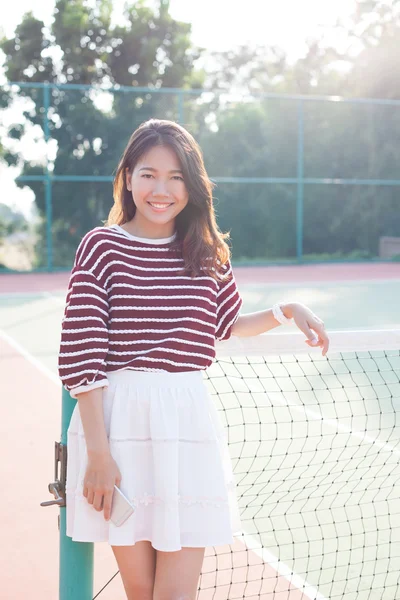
x=98, y=485
x=308, y=322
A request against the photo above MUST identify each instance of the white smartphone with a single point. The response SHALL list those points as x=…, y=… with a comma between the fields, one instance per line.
x=121, y=508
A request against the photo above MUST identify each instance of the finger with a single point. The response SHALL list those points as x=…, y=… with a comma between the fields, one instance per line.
x=317, y=336
x=325, y=346
x=314, y=343
x=98, y=501
x=323, y=339
x=312, y=338
x=318, y=344
x=318, y=327
x=107, y=505
x=90, y=495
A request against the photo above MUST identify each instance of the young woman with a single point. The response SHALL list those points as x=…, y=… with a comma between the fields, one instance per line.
x=148, y=295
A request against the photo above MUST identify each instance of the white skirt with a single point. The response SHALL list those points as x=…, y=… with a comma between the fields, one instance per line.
x=167, y=439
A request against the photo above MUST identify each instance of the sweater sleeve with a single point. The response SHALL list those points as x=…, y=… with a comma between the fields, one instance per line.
x=229, y=303
x=84, y=334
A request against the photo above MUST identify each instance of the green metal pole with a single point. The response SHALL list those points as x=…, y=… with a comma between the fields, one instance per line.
x=48, y=183
x=300, y=180
x=76, y=558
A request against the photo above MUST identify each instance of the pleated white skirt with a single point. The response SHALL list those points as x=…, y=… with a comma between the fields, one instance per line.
x=167, y=438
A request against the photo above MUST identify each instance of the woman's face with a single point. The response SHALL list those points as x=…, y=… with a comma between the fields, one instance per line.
x=157, y=186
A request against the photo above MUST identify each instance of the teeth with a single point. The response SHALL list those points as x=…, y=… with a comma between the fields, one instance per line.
x=158, y=205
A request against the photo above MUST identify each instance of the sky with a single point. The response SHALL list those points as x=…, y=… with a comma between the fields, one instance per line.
x=219, y=24
x=216, y=25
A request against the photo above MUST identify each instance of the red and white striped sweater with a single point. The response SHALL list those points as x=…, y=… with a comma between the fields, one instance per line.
x=127, y=307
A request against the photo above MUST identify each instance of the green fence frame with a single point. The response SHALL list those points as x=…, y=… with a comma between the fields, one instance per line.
x=299, y=181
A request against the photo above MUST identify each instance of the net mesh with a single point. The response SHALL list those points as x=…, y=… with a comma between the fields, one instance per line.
x=314, y=443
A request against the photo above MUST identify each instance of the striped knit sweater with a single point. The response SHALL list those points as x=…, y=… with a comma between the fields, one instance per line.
x=127, y=307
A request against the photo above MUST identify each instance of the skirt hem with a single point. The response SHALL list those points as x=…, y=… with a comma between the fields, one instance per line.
x=145, y=539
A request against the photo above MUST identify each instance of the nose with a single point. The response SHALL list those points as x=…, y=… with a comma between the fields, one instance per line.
x=160, y=190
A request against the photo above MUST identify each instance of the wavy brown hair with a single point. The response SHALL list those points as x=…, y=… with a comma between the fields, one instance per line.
x=203, y=244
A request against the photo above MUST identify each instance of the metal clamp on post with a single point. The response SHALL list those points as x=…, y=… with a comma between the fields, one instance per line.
x=57, y=488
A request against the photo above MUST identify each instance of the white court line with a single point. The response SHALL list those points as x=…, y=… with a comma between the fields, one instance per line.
x=284, y=571
x=264, y=285
x=58, y=299
x=30, y=358
x=12, y=295
x=34, y=296
x=336, y=424
x=27, y=355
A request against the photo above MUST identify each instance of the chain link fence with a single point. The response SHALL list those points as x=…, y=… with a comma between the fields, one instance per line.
x=299, y=178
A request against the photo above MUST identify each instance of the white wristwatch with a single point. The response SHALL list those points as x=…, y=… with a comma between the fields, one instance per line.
x=279, y=316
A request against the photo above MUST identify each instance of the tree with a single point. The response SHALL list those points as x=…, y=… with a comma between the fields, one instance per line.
x=245, y=137
x=151, y=49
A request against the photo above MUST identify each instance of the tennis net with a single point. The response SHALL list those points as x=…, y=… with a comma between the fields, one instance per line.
x=314, y=443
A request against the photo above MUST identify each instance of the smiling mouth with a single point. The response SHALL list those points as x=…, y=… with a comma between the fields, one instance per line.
x=160, y=205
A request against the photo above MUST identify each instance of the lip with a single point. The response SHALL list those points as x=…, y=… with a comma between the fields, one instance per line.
x=167, y=206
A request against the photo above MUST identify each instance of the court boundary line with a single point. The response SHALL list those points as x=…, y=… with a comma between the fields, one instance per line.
x=33, y=295
x=12, y=295
x=58, y=299
x=284, y=571
x=348, y=282
x=341, y=428
x=252, y=284
x=30, y=358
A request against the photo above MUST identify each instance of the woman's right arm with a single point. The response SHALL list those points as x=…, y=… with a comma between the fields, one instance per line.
x=102, y=471
x=82, y=367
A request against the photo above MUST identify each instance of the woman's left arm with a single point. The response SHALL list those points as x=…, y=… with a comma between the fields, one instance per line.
x=259, y=322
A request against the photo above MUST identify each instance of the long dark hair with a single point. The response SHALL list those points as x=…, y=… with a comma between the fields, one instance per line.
x=203, y=244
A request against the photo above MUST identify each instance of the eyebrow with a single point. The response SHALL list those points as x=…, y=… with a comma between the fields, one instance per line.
x=152, y=169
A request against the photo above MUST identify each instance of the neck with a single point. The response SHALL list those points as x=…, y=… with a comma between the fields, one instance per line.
x=149, y=230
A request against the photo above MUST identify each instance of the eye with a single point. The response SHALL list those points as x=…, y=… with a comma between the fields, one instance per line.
x=149, y=175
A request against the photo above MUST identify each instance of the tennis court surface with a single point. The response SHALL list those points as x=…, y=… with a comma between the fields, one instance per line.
x=314, y=441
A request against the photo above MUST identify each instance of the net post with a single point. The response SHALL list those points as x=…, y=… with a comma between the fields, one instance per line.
x=76, y=558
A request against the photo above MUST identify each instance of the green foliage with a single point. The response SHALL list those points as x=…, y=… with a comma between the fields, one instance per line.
x=151, y=50
x=11, y=221
x=24, y=52
x=250, y=138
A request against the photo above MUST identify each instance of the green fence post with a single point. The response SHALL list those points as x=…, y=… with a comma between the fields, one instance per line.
x=300, y=180
x=180, y=107
x=76, y=558
x=48, y=183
